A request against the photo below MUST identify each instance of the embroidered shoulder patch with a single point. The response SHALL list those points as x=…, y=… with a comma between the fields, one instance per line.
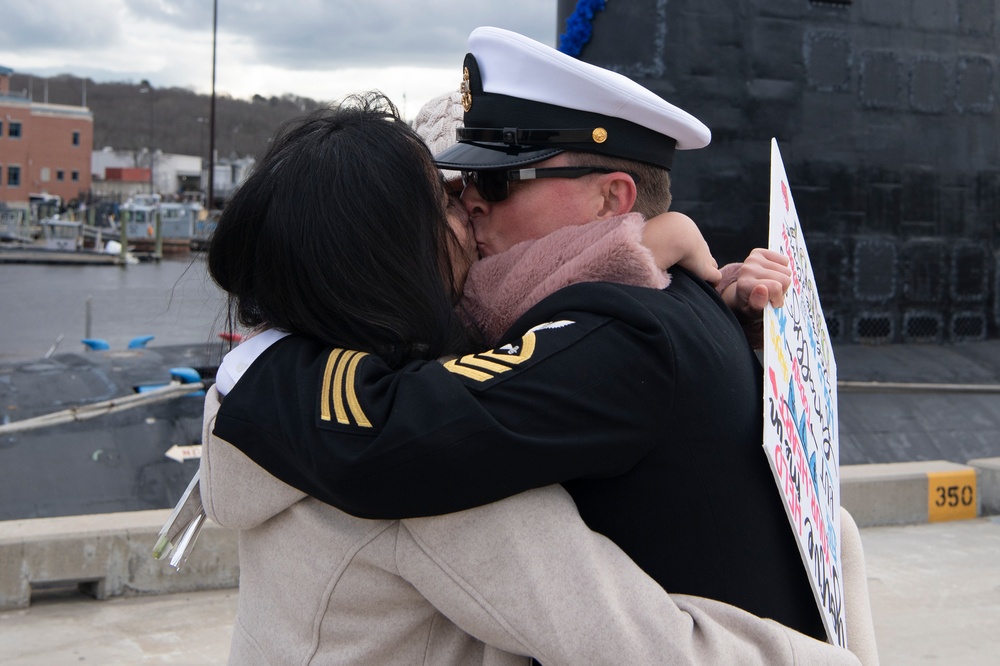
x=485, y=366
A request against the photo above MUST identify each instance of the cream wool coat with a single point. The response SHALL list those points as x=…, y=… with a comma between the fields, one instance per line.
x=493, y=585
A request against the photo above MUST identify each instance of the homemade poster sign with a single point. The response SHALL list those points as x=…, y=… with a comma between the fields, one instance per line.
x=801, y=435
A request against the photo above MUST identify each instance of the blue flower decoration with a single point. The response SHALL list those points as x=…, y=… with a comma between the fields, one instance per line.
x=578, y=26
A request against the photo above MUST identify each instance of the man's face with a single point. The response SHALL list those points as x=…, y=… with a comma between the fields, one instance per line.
x=532, y=209
x=462, y=248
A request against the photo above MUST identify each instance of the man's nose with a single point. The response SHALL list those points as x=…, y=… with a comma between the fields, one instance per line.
x=474, y=202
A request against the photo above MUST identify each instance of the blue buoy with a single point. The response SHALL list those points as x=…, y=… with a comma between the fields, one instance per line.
x=139, y=342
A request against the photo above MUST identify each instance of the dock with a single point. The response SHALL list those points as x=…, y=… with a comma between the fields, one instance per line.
x=920, y=423
x=30, y=255
x=934, y=590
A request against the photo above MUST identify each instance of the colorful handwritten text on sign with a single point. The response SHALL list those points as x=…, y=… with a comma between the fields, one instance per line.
x=800, y=410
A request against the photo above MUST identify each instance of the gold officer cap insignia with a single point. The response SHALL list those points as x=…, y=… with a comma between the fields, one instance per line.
x=600, y=135
x=466, y=90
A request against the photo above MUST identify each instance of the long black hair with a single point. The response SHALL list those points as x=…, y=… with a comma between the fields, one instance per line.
x=340, y=235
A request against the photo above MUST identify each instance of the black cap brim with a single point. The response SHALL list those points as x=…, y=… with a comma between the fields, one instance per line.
x=480, y=157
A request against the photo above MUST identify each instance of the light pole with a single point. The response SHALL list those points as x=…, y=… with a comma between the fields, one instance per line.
x=201, y=144
x=147, y=88
x=201, y=137
x=211, y=127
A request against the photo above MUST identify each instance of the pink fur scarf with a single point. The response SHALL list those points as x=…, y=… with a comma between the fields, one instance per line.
x=501, y=288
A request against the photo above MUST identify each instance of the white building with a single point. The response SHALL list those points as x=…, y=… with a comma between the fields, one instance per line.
x=171, y=173
x=229, y=174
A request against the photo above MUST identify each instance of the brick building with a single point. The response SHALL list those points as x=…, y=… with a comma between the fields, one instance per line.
x=44, y=148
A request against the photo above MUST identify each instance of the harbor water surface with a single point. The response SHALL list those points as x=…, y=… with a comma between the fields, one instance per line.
x=173, y=300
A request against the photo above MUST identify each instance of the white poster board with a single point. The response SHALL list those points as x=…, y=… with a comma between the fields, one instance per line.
x=801, y=435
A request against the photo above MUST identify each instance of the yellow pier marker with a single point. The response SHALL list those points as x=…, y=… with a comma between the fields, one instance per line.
x=951, y=495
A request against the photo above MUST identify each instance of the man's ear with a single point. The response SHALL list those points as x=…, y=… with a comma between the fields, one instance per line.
x=619, y=193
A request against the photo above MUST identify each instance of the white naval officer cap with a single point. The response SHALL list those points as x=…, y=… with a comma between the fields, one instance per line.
x=525, y=102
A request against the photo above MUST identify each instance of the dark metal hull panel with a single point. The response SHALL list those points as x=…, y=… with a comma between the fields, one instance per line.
x=905, y=427
x=886, y=117
x=115, y=462
x=118, y=464
x=920, y=422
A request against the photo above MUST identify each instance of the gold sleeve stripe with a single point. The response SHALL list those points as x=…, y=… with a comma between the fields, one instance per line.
x=338, y=383
x=499, y=364
x=352, y=396
x=527, y=347
x=324, y=397
x=490, y=366
x=453, y=366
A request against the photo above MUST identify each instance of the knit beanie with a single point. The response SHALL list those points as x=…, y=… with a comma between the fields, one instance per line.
x=436, y=123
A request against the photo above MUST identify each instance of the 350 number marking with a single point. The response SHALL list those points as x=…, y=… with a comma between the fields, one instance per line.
x=951, y=495
x=954, y=496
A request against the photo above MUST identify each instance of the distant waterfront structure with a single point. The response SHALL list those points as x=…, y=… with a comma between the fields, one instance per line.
x=115, y=173
x=886, y=115
x=228, y=174
x=117, y=177
x=44, y=148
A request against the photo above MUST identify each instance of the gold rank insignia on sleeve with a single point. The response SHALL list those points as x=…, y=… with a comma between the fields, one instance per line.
x=484, y=366
x=337, y=393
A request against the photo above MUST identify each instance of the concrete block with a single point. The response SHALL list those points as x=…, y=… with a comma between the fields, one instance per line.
x=15, y=590
x=213, y=563
x=89, y=558
x=988, y=480
x=908, y=493
x=107, y=555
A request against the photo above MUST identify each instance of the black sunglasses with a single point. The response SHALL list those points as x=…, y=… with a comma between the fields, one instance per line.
x=493, y=184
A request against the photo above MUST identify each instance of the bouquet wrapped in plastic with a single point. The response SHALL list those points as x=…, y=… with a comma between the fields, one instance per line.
x=178, y=535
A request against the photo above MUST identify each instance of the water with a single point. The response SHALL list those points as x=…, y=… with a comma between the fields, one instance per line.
x=173, y=300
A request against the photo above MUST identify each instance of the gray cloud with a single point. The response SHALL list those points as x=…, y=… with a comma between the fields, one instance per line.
x=317, y=35
x=282, y=34
x=46, y=24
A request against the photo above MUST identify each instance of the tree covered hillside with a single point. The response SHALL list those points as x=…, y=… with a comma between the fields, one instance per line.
x=125, y=113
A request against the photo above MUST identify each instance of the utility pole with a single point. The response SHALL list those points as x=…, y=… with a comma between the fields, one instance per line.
x=211, y=126
x=202, y=121
x=147, y=88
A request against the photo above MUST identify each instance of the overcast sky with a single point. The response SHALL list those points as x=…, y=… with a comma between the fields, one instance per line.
x=412, y=50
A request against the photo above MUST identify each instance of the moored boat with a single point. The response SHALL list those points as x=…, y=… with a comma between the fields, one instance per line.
x=68, y=242
x=180, y=223
x=15, y=226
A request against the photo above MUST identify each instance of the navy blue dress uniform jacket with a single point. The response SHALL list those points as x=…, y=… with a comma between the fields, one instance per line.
x=646, y=405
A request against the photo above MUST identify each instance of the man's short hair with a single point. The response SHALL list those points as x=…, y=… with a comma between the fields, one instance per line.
x=653, y=183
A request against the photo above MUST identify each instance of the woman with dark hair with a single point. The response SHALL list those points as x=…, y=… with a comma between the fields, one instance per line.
x=295, y=253
x=343, y=245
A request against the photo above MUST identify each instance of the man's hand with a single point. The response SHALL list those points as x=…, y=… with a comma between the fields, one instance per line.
x=763, y=278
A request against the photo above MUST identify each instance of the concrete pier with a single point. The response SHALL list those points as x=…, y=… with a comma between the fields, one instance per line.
x=934, y=580
x=935, y=594
x=108, y=555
